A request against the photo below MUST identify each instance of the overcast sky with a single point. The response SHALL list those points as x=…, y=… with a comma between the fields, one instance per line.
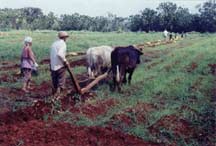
x=95, y=7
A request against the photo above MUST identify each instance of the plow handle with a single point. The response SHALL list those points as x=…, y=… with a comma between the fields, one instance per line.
x=74, y=80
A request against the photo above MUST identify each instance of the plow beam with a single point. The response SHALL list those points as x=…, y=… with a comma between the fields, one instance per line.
x=89, y=86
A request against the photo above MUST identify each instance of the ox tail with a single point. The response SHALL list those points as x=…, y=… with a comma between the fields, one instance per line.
x=117, y=74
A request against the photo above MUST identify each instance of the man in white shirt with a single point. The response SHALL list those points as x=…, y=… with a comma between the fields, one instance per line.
x=165, y=33
x=58, y=62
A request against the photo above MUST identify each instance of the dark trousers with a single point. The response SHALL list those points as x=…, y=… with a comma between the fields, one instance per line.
x=26, y=72
x=58, y=79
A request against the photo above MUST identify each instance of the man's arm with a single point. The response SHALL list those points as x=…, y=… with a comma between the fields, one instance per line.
x=61, y=54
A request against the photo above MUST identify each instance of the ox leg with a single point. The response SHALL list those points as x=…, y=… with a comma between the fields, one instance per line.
x=122, y=76
x=124, y=79
x=114, y=76
x=130, y=75
x=118, y=79
x=89, y=72
x=119, y=86
x=114, y=83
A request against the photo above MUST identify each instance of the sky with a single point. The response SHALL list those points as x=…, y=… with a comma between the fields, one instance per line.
x=122, y=8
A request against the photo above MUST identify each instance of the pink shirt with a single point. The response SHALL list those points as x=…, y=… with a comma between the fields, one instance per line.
x=27, y=58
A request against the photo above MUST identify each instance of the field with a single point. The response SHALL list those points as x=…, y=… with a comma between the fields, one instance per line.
x=171, y=100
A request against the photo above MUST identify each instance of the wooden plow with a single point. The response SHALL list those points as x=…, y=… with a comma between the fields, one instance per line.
x=89, y=86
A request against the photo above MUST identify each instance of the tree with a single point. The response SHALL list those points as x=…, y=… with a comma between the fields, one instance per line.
x=148, y=19
x=167, y=13
x=31, y=14
x=208, y=16
x=135, y=22
x=182, y=20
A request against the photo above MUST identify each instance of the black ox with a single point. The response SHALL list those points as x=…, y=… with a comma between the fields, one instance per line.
x=124, y=60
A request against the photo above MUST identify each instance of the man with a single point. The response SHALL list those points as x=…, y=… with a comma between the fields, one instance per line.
x=58, y=62
x=165, y=33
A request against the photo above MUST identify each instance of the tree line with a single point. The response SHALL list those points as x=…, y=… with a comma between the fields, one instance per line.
x=166, y=16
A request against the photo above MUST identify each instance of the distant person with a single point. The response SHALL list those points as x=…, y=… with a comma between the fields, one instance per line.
x=28, y=63
x=58, y=62
x=170, y=36
x=165, y=34
x=176, y=35
x=182, y=35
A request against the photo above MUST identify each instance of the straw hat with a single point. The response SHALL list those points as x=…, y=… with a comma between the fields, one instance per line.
x=63, y=34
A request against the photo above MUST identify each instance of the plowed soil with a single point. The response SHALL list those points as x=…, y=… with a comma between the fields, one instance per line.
x=62, y=134
x=26, y=126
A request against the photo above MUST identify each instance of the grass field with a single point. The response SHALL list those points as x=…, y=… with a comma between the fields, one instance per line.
x=172, y=96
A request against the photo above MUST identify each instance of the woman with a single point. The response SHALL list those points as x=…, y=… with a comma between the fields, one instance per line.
x=28, y=63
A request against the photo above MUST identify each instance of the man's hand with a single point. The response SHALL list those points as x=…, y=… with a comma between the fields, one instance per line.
x=66, y=64
x=35, y=64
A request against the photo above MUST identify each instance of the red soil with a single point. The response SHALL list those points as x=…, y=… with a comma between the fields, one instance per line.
x=10, y=78
x=62, y=134
x=92, y=110
x=178, y=126
x=132, y=116
x=40, y=91
x=212, y=68
x=80, y=62
x=40, y=108
x=25, y=127
x=6, y=78
x=27, y=114
x=43, y=90
x=10, y=93
x=9, y=67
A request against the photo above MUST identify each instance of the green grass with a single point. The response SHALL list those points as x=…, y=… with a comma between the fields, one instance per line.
x=11, y=44
x=166, y=81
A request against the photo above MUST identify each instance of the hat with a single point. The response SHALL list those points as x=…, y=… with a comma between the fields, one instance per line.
x=63, y=34
x=28, y=39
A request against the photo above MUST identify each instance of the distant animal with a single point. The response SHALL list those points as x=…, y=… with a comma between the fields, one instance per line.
x=124, y=60
x=98, y=60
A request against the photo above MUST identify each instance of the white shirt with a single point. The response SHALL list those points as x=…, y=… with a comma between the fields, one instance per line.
x=57, y=54
x=165, y=33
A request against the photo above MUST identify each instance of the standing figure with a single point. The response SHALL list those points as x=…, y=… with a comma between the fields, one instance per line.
x=28, y=63
x=58, y=62
x=165, y=34
x=170, y=36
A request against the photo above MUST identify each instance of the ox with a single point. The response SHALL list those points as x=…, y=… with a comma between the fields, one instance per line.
x=123, y=61
x=98, y=59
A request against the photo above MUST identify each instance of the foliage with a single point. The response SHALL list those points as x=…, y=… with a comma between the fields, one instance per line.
x=167, y=16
